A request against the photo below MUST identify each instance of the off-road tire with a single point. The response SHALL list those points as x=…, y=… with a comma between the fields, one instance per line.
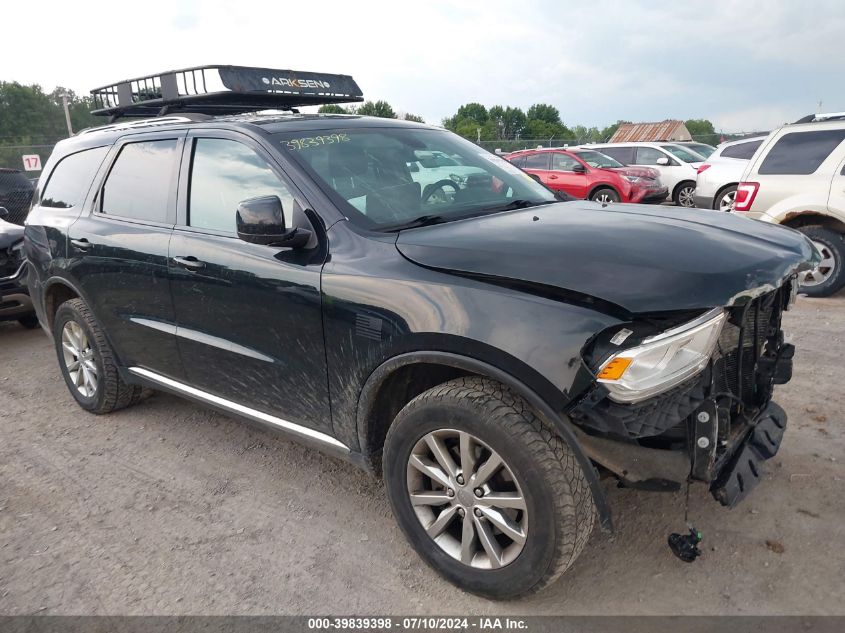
x=835, y=241
x=111, y=393
x=561, y=513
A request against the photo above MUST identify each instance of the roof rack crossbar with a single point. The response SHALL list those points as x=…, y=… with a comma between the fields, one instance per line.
x=221, y=90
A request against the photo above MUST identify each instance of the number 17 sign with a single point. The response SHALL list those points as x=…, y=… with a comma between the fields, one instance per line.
x=32, y=162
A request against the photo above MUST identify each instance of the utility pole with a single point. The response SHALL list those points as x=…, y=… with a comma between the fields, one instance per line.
x=67, y=114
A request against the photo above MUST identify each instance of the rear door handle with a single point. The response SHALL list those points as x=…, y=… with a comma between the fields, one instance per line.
x=190, y=262
x=83, y=244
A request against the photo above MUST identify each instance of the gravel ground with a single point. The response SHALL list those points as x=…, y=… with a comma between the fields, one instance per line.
x=168, y=508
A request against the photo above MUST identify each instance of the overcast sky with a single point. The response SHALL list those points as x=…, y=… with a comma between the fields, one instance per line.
x=745, y=65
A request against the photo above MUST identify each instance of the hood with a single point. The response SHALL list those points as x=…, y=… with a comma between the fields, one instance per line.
x=640, y=258
x=639, y=172
x=9, y=234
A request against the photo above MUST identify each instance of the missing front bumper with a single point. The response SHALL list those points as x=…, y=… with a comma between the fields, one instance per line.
x=743, y=471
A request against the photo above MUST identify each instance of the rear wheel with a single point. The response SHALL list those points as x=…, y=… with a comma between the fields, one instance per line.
x=684, y=194
x=488, y=495
x=605, y=195
x=829, y=276
x=87, y=361
x=724, y=200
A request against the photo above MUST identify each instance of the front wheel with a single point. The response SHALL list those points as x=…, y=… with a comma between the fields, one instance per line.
x=685, y=195
x=489, y=496
x=829, y=276
x=605, y=196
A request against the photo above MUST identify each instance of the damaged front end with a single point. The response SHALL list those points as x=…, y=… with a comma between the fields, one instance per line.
x=690, y=396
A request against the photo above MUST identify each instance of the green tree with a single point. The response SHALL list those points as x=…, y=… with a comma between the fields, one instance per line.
x=413, y=117
x=378, y=108
x=610, y=130
x=544, y=112
x=702, y=131
x=509, y=122
x=331, y=108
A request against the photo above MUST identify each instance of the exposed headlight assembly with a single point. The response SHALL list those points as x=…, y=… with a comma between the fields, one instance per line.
x=633, y=178
x=662, y=361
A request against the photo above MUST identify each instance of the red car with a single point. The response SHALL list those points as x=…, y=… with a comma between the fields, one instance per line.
x=590, y=175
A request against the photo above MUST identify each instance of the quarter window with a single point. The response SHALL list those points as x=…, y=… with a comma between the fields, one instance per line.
x=537, y=161
x=71, y=178
x=223, y=174
x=801, y=153
x=562, y=162
x=742, y=151
x=138, y=185
x=624, y=155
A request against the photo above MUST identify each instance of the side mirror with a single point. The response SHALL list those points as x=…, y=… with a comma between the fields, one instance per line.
x=579, y=169
x=4, y=212
x=262, y=221
x=663, y=161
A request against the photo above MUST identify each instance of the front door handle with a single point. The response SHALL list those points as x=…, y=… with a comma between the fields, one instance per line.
x=190, y=262
x=82, y=244
x=552, y=177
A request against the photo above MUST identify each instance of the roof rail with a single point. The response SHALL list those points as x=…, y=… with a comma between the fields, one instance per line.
x=818, y=118
x=217, y=90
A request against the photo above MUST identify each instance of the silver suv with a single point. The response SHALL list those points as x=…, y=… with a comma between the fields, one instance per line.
x=797, y=178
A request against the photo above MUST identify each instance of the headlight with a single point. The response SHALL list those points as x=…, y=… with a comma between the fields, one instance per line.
x=633, y=178
x=662, y=361
x=460, y=180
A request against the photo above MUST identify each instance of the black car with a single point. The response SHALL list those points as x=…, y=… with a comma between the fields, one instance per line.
x=15, y=304
x=15, y=194
x=490, y=350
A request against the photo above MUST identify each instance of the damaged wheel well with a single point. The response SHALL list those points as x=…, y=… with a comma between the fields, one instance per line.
x=395, y=391
x=56, y=295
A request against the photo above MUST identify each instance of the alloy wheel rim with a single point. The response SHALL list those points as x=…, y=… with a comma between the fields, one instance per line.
x=825, y=269
x=79, y=359
x=467, y=499
x=603, y=198
x=685, y=196
x=727, y=201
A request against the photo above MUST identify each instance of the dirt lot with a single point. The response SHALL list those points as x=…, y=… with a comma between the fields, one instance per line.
x=168, y=508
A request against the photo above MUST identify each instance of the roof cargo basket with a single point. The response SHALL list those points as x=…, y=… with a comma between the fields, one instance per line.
x=217, y=90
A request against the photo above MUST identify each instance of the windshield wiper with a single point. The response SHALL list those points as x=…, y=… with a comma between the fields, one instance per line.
x=519, y=203
x=423, y=220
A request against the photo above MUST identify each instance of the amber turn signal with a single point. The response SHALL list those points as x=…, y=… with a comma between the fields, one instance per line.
x=615, y=368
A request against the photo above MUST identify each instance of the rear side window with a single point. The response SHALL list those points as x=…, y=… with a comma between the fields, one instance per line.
x=71, y=178
x=138, y=185
x=624, y=155
x=223, y=174
x=801, y=153
x=537, y=161
x=742, y=151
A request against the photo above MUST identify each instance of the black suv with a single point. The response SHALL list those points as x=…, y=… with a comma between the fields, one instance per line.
x=15, y=304
x=490, y=350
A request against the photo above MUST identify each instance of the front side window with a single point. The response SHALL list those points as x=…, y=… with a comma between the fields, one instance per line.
x=71, y=178
x=366, y=172
x=597, y=159
x=801, y=153
x=684, y=154
x=563, y=162
x=223, y=173
x=650, y=156
x=702, y=149
x=138, y=185
x=742, y=151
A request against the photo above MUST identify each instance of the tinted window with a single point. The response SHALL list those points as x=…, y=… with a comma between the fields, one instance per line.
x=562, y=162
x=224, y=173
x=138, y=185
x=71, y=178
x=537, y=161
x=743, y=151
x=685, y=155
x=801, y=152
x=624, y=155
x=519, y=161
x=650, y=156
